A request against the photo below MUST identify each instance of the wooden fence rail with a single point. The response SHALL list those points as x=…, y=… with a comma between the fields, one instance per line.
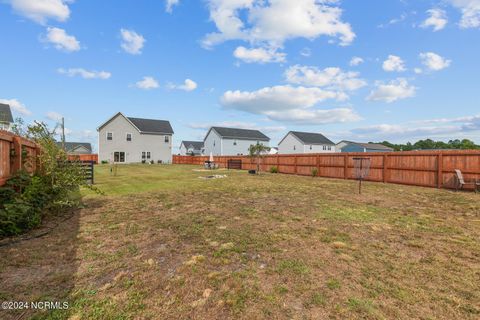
x=418, y=168
x=16, y=153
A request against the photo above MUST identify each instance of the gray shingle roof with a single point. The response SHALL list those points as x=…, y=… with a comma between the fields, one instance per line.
x=312, y=138
x=5, y=113
x=235, y=133
x=374, y=146
x=197, y=145
x=152, y=126
x=70, y=146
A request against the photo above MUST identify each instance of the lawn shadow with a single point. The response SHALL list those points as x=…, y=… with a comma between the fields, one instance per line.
x=40, y=266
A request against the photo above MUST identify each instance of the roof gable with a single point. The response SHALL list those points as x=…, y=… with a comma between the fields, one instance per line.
x=310, y=138
x=240, y=134
x=374, y=146
x=5, y=113
x=72, y=146
x=144, y=126
x=197, y=145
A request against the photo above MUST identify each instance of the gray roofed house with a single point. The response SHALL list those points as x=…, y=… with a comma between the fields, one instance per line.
x=236, y=133
x=296, y=142
x=6, y=118
x=131, y=140
x=77, y=147
x=350, y=146
x=232, y=141
x=192, y=147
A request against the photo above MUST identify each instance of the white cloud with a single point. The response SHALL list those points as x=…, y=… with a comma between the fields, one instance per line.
x=356, y=61
x=61, y=40
x=394, y=90
x=394, y=64
x=470, y=12
x=289, y=104
x=86, y=74
x=170, y=4
x=424, y=128
x=434, y=62
x=42, y=10
x=54, y=116
x=132, y=42
x=306, y=52
x=188, y=85
x=272, y=23
x=437, y=19
x=259, y=55
x=331, y=78
x=147, y=83
x=17, y=106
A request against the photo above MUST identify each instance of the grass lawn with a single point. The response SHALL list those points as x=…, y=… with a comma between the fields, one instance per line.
x=165, y=244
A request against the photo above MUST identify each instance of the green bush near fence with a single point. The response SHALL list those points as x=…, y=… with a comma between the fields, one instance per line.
x=27, y=198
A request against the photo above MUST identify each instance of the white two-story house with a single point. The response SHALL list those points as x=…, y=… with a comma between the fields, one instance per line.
x=192, y=148
x=132, y=140
x=305, y=142
x=221, y=141
x=6, y=118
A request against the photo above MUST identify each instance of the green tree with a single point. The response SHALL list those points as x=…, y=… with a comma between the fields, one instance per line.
x=257, y=151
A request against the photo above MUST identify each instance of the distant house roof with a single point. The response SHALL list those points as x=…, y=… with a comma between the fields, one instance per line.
x=197, y=145
x=373, y=146
x=147, y=126
x=5, y=113
x=71, y=146
x=310, y=138
x=235, y=133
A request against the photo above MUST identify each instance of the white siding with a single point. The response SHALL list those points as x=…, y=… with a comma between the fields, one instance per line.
x=213, y=144
x=183, y=150
x=234, y=147
x=119, y=127
x=292, y=145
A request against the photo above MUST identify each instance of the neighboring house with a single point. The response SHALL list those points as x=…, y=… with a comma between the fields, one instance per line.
x=6, y=118
x=188, y=148
x=305, y=142
x=273, y=150
x=77, y=147
x=350, y=146
x=130, y=140
x=232, y=141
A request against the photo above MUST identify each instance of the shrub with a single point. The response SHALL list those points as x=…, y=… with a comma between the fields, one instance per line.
x=274, y=169
x=26, y=199
x=104, y=162
x=314, y=172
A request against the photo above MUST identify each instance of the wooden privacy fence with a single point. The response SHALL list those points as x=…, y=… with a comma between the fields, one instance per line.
x=418, y=168
x=84, y=158
x=16, y=153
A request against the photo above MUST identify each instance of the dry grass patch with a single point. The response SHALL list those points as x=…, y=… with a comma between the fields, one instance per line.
x=168, y=245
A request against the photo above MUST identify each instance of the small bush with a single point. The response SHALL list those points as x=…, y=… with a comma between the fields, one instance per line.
x=314, y=172
x=274, y=170
x=104, y=162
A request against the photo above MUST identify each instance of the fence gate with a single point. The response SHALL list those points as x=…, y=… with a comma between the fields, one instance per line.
x=234, y=164
x=88, y=169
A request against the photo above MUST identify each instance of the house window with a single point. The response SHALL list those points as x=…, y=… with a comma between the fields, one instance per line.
x=143, y=155
x=167, y=139
x=234, y=143
x=310, y=147
x=294, y=147
x=214, y=143
x=119, y=156
x=148, y=155
x=324, y=147
x=109, y=136
x=129, y=137
x=329, y=148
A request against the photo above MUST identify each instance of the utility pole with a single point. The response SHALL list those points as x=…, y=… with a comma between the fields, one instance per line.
x=63, y=133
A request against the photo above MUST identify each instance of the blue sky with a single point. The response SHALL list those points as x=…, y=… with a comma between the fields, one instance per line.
x=367, y=70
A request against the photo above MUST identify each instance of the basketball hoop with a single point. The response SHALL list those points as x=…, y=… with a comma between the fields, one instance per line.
x=362, y=169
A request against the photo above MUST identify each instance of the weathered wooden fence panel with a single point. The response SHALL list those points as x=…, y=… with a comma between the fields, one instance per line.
x=419, y=168
x=16, y=153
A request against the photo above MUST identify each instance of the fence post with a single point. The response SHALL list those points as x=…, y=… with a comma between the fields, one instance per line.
x=345, y=166
x=17, y=159
x=439, y=170
x=385, y=168
x=295, y=164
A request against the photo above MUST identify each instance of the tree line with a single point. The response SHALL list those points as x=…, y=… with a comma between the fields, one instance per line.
x=429, y=144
